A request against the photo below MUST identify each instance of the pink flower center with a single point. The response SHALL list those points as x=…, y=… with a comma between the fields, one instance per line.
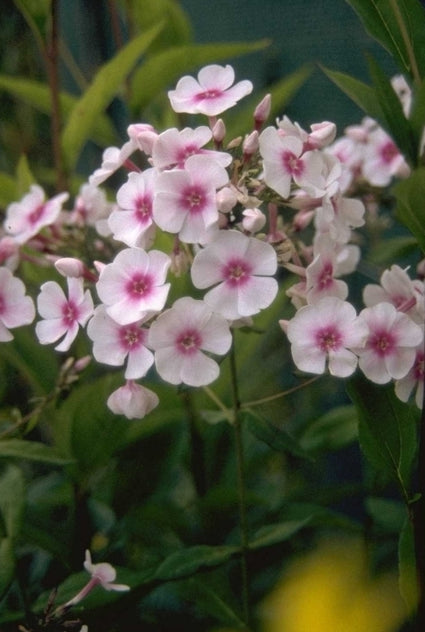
x=328, y=339
x=292, y=165
x=143, y=206
x=419, y=366
x=131, y=337
x=189, y=341
x=388, y=152
x=236, y=272
x=70, y=313
x=208, y=94
x=2, y=304
x=36, y=214
x=183, y=154
x=326, y=276
x=194, y=199
x=139, y=286
x=382, y=343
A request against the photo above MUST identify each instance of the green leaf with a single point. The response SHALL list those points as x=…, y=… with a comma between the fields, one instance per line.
x=274, y=437
x=281, y=93
x=410, y=209
x=417, y=113
x=7, y=189
x=394, y=120
x=399, y=26
x=12, y=490
x=388, y=514
x=189, y=560
x=37, y=94
x=333, y=430
x=177, y=28
x=31, y=451
x=100, y=93
x=24, y=176
x=7, y=564
x=363, y=95
x=37, y=16
x=274, y=533
x=407, y=567
x=210, y=600
x=161, y=70
x=387, y=430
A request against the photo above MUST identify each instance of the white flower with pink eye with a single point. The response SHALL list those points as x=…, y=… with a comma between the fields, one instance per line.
x=240, y=267
x=133, y=286
x=382, y=159
x=132, y=221
x=173, y=147
x=324, y=334
x=212, y=94
x=399, y=289
x=132, y=400
x=26, y=218
x=185, y=200
x=284, y=162
x=390, y=348
x=320, y=278
x=113, y=343
x=62, y=315
x=90, y=206
x=16, y=309
x=414, y=380
x=112, y=159
x=181, y=335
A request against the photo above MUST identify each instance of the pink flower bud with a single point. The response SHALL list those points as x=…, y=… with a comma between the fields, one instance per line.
x=322, y=134
x=262, y=111
x=82, y=363
x=70, y=267
x=219, y=131
x=226, y=199
x=250, y=144
x=144, y=135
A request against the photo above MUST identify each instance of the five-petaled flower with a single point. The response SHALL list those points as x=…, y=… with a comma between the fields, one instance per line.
x=16, y=309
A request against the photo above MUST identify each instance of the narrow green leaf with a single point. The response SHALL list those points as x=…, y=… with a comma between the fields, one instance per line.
x=407, y=567
x=161, y=70
x=7, y=189
x=405, y=41
x=394, y=120
x=100, y=93
x=363, y=95
x=12, y=490
x=189, y=560
x=24, y=176
x=31, y=451
x=275, y=533
x=210, y=601
x=274, y=437
x=37, y=94
x=417, y=114
x=281, y=93
x=387, y=429
x=333, y=430
x=7, y=564
x=177, y=28
x=410, y=209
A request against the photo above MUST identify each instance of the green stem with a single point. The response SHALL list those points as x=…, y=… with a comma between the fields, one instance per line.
x=237, y=425
x=270, y=398
x=407, y=42
x=418, y=518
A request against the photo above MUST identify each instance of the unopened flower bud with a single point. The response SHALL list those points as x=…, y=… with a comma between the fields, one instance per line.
x=262, y=111
x=144, y=135
x=253, y=220
x=70, y=267
x=82, y=363
x=250, y=145
x=235, y=142
x=322, y=134
x=179, y=263
x=219, y=131
x=226, y=199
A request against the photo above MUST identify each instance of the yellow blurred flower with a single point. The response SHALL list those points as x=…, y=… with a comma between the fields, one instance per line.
x=331, y=590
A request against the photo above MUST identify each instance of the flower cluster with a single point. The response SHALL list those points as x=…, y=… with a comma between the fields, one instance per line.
x=227, y=213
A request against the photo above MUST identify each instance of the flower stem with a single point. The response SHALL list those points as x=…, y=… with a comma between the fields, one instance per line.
x=237, y=426
x=407, y=42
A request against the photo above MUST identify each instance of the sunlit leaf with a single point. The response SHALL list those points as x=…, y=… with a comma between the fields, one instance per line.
x=7, y=189
x=100, y=93
x=161, y=70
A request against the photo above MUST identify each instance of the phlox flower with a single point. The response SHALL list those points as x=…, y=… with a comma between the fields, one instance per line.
x=338, y=215
x=320, y=277
x=133, y=285
x=211, y=94
x=9, y=252
x=398, y=288
x=173, y=147
x=112, y=159
x=185, y=200
x=26, y=218
x=179, y=337
x=324, y=334
x=284, y=162
x=16, y=309
x=62, y=315
x=90, y=207
x=391, y=343
x=240, y=267
x=113, y=343
x=144, y=135
x=132, y=221
x=414, y=380
x=382, y=159
x=132, y=400
x=102, y=574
